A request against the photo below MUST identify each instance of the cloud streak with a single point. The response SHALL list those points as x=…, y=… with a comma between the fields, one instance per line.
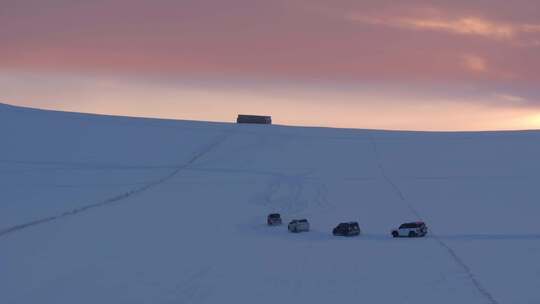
x=470, y=25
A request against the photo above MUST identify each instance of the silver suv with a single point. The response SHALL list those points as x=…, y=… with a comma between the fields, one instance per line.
x=414, y=229
x=298, y=225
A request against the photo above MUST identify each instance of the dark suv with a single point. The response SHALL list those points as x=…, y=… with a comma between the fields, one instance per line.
x=273, y=219
x=347, y=229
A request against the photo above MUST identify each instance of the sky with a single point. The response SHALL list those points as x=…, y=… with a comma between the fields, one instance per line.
x=414, y=65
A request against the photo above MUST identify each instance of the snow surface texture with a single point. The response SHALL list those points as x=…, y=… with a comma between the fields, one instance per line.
x=99, y=209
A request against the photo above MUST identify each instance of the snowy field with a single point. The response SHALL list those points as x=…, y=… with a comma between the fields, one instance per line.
x=97, y=209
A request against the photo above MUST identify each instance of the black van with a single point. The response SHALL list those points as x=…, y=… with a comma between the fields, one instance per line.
x=254, y=119
x=347, y=229
x=273, y=219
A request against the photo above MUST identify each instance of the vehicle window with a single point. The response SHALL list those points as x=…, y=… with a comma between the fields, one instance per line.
x=408, y=225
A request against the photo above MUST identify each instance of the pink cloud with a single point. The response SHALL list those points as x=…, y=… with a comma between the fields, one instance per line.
x=259, y=38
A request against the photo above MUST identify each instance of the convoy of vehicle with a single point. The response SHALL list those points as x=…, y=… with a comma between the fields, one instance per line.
x=410, y=229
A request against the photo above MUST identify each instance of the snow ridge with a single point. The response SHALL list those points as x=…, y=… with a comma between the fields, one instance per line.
x=197, y=231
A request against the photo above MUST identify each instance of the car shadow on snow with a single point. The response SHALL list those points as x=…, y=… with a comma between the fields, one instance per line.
x=254, y=228
x=281, y=232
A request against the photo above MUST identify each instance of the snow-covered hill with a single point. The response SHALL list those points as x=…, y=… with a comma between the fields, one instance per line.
x=98, y=209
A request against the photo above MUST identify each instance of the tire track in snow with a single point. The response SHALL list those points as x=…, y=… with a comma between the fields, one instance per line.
x=457, y=259
x=123, y=196
x=293, y=193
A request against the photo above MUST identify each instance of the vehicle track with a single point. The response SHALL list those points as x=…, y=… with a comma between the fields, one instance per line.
x=457, y=259
x=123, y=196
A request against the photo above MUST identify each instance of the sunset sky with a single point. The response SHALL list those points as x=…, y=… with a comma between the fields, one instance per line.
x=417, y=65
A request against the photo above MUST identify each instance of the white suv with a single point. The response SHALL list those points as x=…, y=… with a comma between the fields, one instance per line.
x=415, y=229
x=298, y=225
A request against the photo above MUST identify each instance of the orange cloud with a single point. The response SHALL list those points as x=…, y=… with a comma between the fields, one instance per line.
x=463, y=25
x=510, y=98
x=474, y=63
x=469, y=26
